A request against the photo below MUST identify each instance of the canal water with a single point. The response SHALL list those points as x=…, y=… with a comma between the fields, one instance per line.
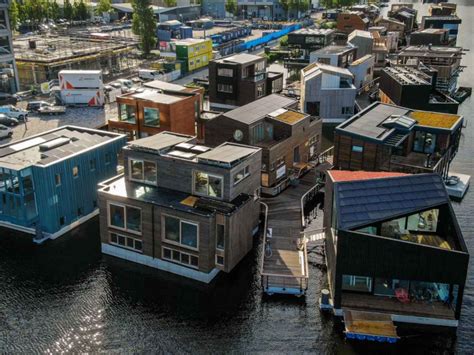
x=65, y=296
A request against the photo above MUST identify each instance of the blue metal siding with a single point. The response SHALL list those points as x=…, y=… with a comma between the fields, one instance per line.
x=73, y=193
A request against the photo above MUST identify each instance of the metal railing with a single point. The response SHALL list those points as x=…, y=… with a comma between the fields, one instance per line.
x=326, y=155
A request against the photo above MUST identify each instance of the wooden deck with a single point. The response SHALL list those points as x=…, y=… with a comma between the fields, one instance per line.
x=285, y=270
x=368, y=323
x=394, y=306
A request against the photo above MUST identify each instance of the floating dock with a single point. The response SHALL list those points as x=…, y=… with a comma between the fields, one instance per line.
x=458, y=190
x=370, y=326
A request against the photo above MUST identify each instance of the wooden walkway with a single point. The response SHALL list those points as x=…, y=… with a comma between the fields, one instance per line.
x=285, y=268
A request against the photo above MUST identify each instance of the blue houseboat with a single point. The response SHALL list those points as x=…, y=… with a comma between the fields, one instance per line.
x=48, y=182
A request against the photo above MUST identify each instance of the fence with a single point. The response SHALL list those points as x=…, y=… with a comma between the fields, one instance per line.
x=267, y=38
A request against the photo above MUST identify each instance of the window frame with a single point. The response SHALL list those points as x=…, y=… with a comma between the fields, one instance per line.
x=171, y=260
x=226, y=70
x=223, y=260
x=158, y=115
x=125, y=246
x=124, y=206
x=147, y=182
x=220, y=88
x=56, y=176
x=246, y=174
x=221, y=177
x=181, y=220
x=223, y=236
x=75, y=176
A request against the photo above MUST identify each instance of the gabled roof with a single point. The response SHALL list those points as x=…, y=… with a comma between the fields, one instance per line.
x=364, y=202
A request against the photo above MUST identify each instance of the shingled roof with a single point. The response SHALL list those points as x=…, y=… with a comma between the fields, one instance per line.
x=363, y=202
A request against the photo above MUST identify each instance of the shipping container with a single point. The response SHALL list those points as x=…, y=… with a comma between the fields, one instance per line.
x=186, y=32
x=93, y=97
x=80, y=79
x=193, y=47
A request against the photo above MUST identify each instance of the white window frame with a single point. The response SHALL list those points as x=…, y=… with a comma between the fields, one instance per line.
x=225, y=72
x=130, y=171
x=181, y=220
x=181, y=253
x=125, y=246
x=224, y=88
x=208, y=174
x=125, y=229
x=246, y=173
x=223, y=258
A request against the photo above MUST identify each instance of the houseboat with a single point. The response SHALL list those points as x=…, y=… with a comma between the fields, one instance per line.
x=385, y=137
x=182, y=207
x=48, y=182
x=393, y=247
x=289, y=139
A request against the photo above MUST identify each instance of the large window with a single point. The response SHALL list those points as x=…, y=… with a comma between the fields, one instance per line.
x=125, y=217
x=143, y=171
x=127, y=113
x=152, y=117
x=225, y=72
x=424, y=142
x=180, y=257
x=356, y=283
x=126, y=242
x=257, y=133
x=207, y=184
x=181, y=232
x=225, y=88
x=241, y=174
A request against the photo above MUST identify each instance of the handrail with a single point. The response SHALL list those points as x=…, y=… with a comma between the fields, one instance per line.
x=302, y=202
x=264, y=235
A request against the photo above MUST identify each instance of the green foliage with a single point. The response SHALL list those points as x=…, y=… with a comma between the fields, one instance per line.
x=329, y=25
x=231, y=6
x=144, y=24
x=284, y=41
x=81, y=12
x=170, y=3
x=14, y=15
x=330, y=4
x=104, y=6
x=54, y=11
x=68, y=10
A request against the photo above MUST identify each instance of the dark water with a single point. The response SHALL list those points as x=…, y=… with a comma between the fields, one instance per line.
x=64, y=296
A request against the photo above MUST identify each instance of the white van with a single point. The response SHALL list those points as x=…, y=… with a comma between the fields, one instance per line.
x=5, y=132
x=149, y=74
x=14, y=112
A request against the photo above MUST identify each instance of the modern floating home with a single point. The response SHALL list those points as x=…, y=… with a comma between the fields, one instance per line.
x=182, y=207
x=289, y=139
x=48, y=182
x=394, y=247
x=384, y=137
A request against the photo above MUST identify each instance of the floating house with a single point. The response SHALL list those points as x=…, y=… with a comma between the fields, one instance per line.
x=289, y=139
x=393, y=247
x=48, y=182
x=384, y=137
x=336, y=55
x=182, y=207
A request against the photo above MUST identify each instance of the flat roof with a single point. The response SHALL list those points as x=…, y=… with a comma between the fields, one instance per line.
x=160, y=141
x=155, y=96
x=287, y=116
x=258, y=109
x=361, y=60
x=334, y=49
x=96, y=72
x=240, y=58
x=52, y=146
x=408, y=75
x=228, y=153
x=313, y=31
x=436, y=119
x=163, y=85
x=427, y=51
x=359, y=33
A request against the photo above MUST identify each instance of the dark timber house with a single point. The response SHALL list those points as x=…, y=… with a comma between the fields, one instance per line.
x=393, y=246
x=182, y=207
x=240, y=79
x=391, y=138
x=289, y=139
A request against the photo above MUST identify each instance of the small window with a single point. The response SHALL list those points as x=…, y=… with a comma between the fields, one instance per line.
x=57, y=179
x=220, y=237
x=75, y=171
x=357, y=148
x=62, y=221
x=138, y=245
x=260, y=90
x=166, y=253
x=219, y=260
x=176, y=255
x=92, y=164
x=185, y=258
x=194, y=261
x=113, y=238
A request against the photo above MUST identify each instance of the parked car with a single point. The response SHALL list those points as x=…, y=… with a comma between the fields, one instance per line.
x=8, y=121
x=14, y=112
x=5, y=132
x=34, y=106
x=8, y=99
x=125, y=82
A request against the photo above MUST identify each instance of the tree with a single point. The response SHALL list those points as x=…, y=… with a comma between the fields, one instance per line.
x=285, y=5
x=144, y=24
x=231, y=6
x=54, y=10
x=68, y=10
x=81, y=12
x=170, y=3
x=14, y=15
x=103, y=7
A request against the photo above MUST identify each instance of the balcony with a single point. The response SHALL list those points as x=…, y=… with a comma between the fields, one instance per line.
x=415, y=163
